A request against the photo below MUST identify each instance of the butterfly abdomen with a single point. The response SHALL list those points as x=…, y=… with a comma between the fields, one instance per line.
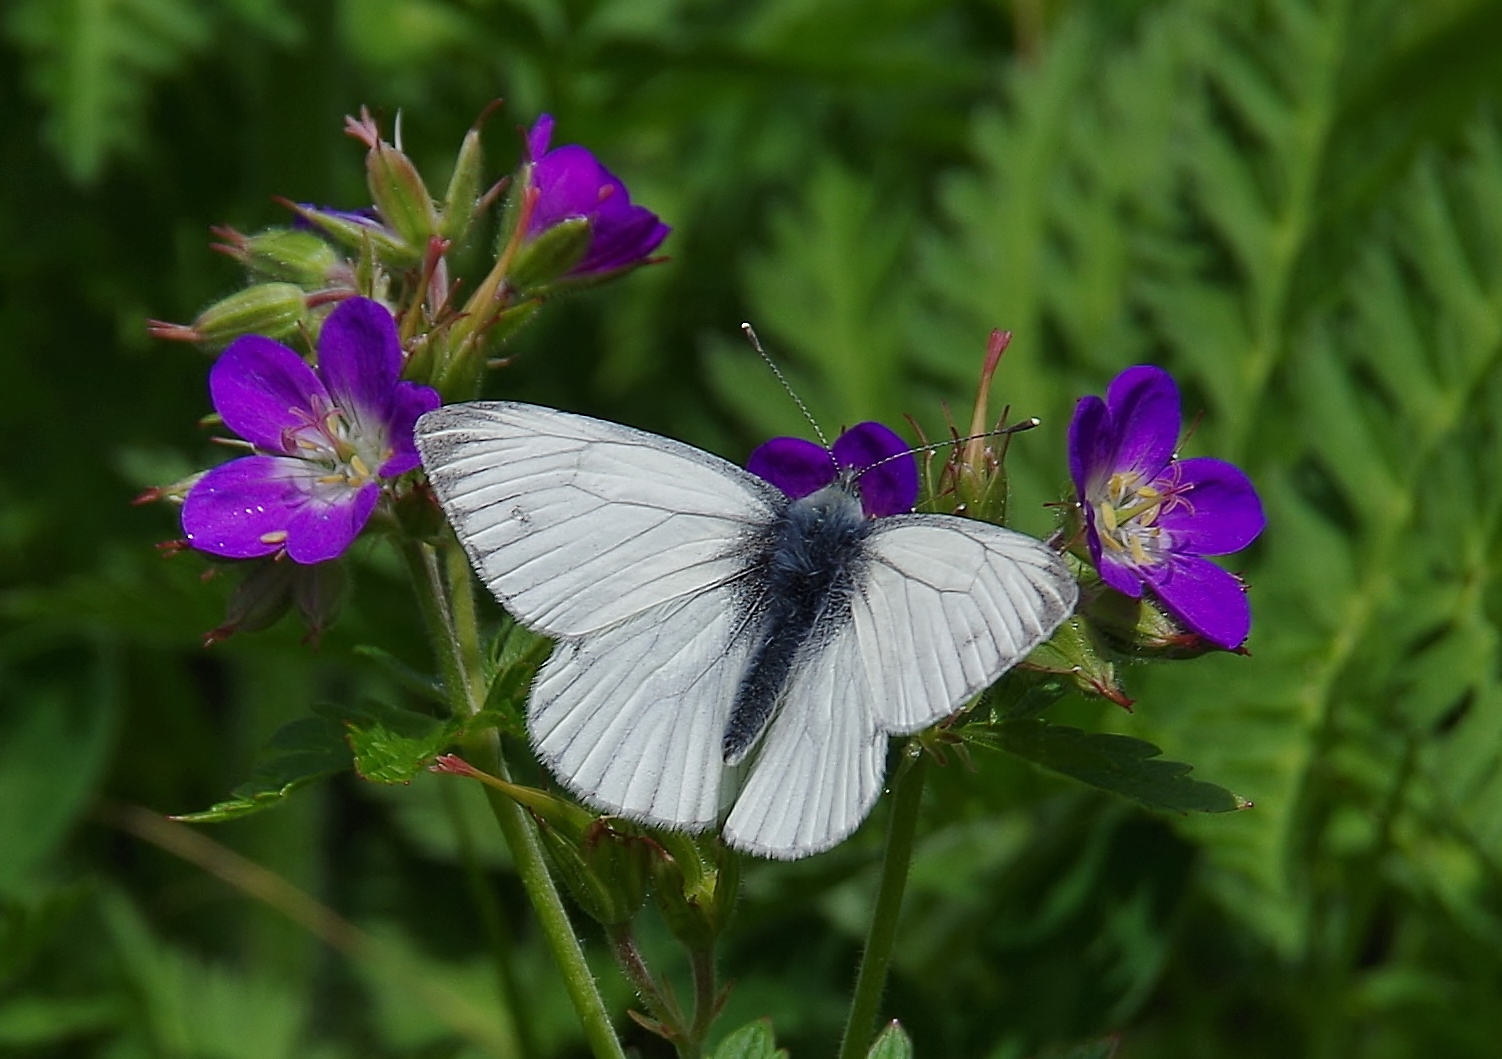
x=803, y=574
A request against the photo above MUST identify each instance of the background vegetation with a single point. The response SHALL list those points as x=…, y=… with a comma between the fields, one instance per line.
x=1296, y=205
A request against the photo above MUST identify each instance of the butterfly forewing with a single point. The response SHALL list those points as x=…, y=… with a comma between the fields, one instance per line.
x=958, y=602
x=575, y=523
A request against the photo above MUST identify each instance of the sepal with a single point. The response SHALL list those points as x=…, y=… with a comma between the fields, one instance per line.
x=1073, y=654
x=694, y=898
x=550, y=256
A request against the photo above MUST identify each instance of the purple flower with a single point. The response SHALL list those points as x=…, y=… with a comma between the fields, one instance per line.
x=572, y=183
x=1150, y=517
x=324, y=439
x=799, y=467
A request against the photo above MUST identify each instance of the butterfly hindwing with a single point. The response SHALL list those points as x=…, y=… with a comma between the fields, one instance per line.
x=821, y=760
x=575, y=523
x=632, y=718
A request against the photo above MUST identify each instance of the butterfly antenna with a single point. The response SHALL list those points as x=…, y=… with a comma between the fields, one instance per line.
x=750, y=333
x=1003, y=432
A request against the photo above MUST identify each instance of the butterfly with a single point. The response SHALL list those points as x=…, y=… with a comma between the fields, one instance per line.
x=719, y=643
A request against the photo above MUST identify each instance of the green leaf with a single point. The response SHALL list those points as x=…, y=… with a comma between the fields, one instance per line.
x=892, y=1043
x=93, y=62
x=521, y=655
x=1116, y=763
x=298, y=753
x=390, y=744
x=385, y=756
x=405, y=676
x=31, y=1021
x=752, y=1041
x=53, y=753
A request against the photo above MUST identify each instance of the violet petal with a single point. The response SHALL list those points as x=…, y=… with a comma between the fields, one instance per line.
x=1217, y=512
x=360, y=358
x=240, y=509
x=795, y=466
x=1144, y=406
x=1121, y=574
x=538, y=137
x=887, y=488
x=264, y=392
x=622, y=242
x=1090, y=445
x=328, y=521
x=568, y=181
x=1204, y=597
x=409, y=401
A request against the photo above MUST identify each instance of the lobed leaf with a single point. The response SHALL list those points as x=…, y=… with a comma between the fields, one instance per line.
x=1116, y=763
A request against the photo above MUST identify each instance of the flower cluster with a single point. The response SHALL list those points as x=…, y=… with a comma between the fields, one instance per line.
x=1150, y=517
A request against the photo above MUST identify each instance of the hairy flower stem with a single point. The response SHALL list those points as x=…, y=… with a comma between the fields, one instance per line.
x=907, y=793
x=706, y=996
x=444, y=593
x=660, y=1004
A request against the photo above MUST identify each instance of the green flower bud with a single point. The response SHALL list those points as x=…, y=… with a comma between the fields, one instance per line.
x=400, y=195
x=270, y=309
x=1141, y=627
x=605, y=870
x=258, y=602
x=319, y=592
x=462, y=199
x=284, y=255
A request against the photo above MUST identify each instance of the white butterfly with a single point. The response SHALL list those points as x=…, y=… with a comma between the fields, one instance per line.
x=704, y=621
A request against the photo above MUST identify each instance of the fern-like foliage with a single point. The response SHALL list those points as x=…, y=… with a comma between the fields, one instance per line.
x=94, y=61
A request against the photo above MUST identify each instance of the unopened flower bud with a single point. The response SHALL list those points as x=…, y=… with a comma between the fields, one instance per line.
x=287, y=255
x=270, y=309
x=319, y=592
x=399, y=193
x=605, y=870
x=695, y=900
x=260, y=599
x=461, y=201
x=358, y=231
x=1141, y=626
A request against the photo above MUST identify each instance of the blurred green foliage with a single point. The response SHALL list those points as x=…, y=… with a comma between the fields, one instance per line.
x=1294, y=204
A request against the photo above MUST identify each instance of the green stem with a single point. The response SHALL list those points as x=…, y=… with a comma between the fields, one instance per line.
x=447, y=605
x=907, y=793
x=701, y=962
x=660, y=1004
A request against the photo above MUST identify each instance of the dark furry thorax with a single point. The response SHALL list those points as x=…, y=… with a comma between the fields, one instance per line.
x=800, y=581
